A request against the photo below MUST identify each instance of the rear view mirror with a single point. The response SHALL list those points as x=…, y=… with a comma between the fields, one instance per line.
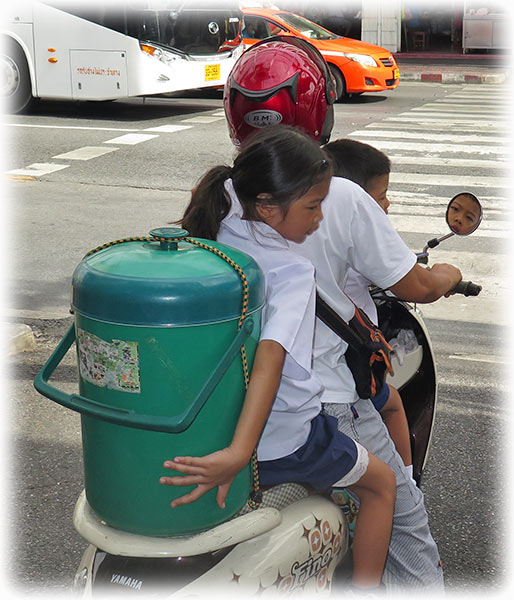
x=464, y=213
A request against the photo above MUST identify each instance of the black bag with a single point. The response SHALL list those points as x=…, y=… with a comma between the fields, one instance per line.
x=368, y=355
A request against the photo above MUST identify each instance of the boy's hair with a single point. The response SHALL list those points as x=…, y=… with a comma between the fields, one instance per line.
x=357, y=161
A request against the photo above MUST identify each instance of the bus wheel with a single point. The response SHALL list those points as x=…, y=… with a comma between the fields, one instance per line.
x=15, y=88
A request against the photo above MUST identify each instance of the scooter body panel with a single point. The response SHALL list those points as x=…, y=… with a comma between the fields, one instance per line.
x=299, y=554
x=416, y=378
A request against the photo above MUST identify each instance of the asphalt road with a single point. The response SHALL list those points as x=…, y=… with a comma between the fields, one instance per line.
x=131, y=187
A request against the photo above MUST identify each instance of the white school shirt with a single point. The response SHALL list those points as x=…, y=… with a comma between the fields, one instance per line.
x=355, y=232
x=288, y=318
x=357, y=288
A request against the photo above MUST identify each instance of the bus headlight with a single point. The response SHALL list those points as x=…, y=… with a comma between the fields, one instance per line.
x=165, y=57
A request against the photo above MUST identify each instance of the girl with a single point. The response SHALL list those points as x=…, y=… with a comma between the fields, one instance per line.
x=271, y=196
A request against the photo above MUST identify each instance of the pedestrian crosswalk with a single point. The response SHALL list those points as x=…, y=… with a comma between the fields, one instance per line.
x=460, y=142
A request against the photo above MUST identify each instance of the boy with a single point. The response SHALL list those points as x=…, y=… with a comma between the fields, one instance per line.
x=370, y=168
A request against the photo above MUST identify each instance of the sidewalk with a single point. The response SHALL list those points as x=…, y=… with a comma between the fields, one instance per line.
x=453, y=68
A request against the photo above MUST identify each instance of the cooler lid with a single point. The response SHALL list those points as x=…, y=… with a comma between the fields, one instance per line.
x=164, y=281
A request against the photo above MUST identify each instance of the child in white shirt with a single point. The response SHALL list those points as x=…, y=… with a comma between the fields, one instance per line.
x=370, y=168
x=270, y=197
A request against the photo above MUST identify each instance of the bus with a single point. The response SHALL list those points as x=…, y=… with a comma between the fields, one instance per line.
x=107, y=50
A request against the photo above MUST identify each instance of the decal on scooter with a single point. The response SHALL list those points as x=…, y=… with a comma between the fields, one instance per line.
x=130, y=582
x=324, y=546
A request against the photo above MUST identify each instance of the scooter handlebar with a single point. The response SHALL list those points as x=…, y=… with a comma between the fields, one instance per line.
x=467, y=288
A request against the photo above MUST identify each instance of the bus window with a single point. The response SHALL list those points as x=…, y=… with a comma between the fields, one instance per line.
x=178, y=25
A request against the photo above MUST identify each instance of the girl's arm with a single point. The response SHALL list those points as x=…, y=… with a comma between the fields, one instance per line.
x=220, y=468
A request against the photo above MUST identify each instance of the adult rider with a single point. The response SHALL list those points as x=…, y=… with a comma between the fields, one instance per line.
x=285, y=80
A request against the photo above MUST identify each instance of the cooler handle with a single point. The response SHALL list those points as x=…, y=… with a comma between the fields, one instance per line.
x=129, y=418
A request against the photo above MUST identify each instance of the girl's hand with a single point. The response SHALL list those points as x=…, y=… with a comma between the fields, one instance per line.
x=207, y=472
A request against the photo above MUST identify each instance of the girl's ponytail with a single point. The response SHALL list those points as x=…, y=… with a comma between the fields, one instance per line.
x=209, y=204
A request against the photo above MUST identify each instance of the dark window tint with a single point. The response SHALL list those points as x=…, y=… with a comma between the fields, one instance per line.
x=192, y=29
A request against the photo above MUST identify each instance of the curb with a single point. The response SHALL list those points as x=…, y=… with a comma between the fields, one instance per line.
x=491, y=78
x=20, y=338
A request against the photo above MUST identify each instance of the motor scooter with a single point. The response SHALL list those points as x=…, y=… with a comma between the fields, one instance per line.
x=296, y=541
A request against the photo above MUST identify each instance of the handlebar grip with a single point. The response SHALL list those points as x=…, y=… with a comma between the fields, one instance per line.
x=467, y=288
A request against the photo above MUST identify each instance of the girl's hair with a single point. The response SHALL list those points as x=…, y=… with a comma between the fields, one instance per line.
x=357, y=161
x=279, y=161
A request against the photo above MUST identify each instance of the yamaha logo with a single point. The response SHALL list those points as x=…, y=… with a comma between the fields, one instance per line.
x=263, y=118
x=213, y=27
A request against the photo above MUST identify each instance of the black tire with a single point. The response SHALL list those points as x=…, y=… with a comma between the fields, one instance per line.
x=340, y=82
x=16, y=91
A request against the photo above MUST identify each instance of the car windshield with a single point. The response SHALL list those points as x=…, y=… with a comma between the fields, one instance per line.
x=308, y=28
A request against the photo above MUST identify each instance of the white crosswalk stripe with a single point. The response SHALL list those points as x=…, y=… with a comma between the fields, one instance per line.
x=440, y=148
x=468, y=163
x=455, y=143
x=449, y=136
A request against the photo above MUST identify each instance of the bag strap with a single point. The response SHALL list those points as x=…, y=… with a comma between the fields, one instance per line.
x=336, y=323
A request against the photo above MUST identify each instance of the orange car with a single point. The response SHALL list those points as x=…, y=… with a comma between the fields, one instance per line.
x=357, y=66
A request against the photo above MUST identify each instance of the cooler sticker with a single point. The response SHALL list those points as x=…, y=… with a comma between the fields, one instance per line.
x=114, y=365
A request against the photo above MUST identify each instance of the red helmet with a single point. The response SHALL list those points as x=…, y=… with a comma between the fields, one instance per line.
x=282, y=79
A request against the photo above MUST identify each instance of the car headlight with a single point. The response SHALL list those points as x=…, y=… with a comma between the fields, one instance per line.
x=363, y=59
x=165, y=57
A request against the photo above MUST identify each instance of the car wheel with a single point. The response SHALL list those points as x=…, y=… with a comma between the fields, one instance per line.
x=15, y=87
x=340, y=82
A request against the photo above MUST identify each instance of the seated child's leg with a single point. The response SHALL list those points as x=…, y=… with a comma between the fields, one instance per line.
x=329, y=458
x=376, y=490
x=393, y=415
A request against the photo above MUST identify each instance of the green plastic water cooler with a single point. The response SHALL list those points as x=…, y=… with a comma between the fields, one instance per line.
x=159, y=326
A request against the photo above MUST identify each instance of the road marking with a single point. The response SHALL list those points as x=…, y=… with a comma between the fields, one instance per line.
x=168, y=128
x=436, y=125
x=465, y=100
x=452, y=137
x=482, y=358
x=457, y=118
x=399, y=207
x=424, y=198
x=38, y=169
x=202, y=119
x=458, y=108
x=20, y=178
x=131, y=139
x=86, y=153
x=492, y=206
x=439, y=148
x=68, y=127
x=429, y=119
x=453, y=180
x=422, y=224
x=487, y=97
x=448, y=162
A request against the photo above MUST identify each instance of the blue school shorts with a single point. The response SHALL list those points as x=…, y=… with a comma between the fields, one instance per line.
x=326, y=457
x=379, y=401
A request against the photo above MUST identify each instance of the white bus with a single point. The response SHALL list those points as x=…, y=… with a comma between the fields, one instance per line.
x=104, y=50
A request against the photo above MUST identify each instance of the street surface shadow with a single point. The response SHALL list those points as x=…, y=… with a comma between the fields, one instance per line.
x=362, y=99
x=131, y=109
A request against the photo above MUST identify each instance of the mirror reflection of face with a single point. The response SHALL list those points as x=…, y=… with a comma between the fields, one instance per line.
x=464, y=214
